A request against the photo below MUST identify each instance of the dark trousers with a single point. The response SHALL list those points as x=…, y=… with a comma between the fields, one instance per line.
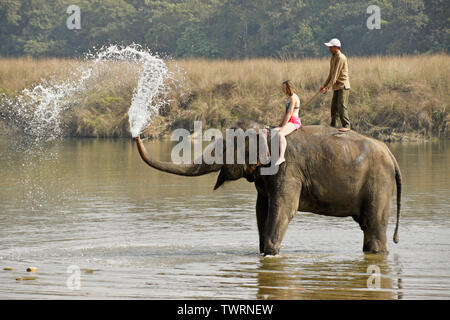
x=339, y=105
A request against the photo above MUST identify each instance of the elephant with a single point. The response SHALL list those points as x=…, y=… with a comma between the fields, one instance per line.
x=326, y=172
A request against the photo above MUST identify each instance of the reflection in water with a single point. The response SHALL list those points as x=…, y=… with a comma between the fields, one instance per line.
x=147, y=234
x=321, y=277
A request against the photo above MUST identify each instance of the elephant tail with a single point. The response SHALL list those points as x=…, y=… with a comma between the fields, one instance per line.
x=398, y=180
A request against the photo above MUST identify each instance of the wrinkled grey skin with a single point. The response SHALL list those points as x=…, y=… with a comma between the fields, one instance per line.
x=326, y=172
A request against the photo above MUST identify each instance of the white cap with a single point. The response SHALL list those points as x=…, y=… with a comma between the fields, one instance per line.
x=333, y=43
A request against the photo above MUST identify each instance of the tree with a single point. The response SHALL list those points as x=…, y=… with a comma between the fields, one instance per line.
x=9, y=26
x=225, y=28
x=193, y=42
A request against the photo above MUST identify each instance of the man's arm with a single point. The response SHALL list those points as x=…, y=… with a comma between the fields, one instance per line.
x=330, y=74
x=325, y=87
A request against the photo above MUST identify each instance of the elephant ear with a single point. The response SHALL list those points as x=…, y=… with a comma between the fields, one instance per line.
x=248, y=171
x=251, y=171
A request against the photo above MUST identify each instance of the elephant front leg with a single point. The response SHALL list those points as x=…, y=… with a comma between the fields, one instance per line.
x=282, y=209
x=261, y=218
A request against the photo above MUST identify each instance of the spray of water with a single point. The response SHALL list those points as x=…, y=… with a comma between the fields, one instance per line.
x=37, y=111
x=152, y=73
x=151, y=83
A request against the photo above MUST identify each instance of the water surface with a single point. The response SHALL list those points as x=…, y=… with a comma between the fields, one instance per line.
x=137, y=233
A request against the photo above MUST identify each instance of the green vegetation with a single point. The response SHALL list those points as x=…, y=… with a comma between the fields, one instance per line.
x=224, y=28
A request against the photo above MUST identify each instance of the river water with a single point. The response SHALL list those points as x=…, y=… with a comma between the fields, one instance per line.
x=91, y=210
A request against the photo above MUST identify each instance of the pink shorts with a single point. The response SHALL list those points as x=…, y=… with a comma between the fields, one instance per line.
x=296, y=121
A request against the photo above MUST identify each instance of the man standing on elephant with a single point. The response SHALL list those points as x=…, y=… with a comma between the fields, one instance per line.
x=338, y=80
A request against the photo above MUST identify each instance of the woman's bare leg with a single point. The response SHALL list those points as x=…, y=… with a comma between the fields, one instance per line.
x=284, y=131
x=283, y=143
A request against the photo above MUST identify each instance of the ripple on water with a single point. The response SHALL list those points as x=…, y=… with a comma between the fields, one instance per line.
x=143, y=239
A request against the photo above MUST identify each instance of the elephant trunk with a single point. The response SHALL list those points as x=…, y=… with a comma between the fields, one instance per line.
x=190, y=170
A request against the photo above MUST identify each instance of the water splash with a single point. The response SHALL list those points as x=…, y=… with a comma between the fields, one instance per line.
x=38, y=111
x=151, y=83
x=152, y=73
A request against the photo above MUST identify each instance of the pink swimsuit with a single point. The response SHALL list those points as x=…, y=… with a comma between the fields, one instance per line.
x=296, y=121
x=293, y=119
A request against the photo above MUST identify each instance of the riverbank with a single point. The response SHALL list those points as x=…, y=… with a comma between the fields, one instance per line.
x=392, y=98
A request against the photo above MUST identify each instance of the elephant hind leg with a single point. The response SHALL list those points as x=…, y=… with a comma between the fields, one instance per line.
x=373, y=223
x=375, y=240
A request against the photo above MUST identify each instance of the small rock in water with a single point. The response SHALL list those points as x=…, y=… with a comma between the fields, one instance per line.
x=32, y=269
x=8, y=268
x=87, y=271
x=26, y=278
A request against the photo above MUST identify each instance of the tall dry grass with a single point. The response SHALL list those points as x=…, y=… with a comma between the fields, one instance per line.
x=19, y=73
x=391, y=97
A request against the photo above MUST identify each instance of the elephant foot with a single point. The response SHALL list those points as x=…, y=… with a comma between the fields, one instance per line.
x=375, y=246
x=376, y=252
x=271, y=252
x=375, y=241
x=261, y=248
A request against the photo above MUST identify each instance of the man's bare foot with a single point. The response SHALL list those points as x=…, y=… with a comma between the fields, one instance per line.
x=344, y=129
x=280, y=161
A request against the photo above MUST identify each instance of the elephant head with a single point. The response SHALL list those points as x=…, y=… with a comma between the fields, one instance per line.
x=228, y=171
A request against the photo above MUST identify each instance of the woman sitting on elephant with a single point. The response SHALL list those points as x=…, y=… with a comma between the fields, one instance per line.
x=291, y=121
